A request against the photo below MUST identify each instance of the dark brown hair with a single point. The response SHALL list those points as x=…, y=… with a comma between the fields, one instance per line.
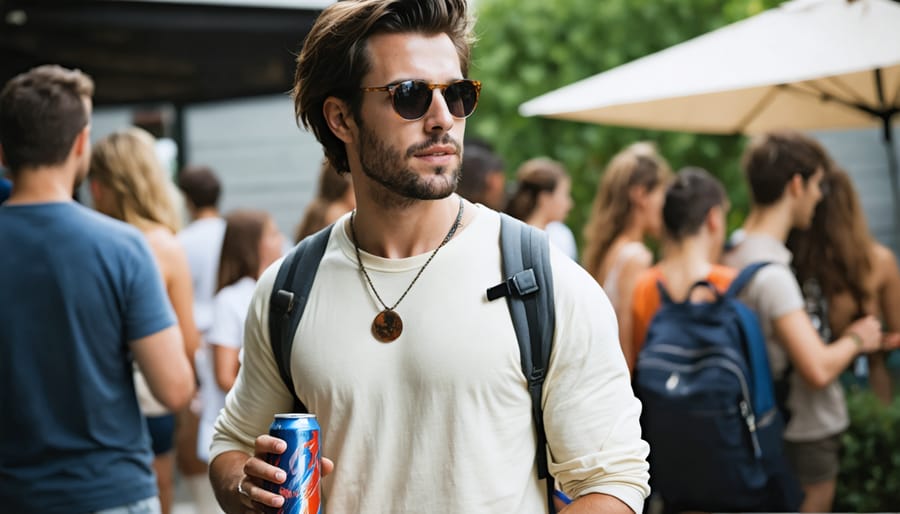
x=478, y=163
x=200, y=185
x=534, y=176
x=836, y=249
x=240, y=246
x=332, y=187
x=334, y=57
x=41, y=113
x=689, y=199
x=771, y=160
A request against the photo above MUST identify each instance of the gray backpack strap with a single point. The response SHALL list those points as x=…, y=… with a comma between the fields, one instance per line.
x=528, y=289
x=289, y=295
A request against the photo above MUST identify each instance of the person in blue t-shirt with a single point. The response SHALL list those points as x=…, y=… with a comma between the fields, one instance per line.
x=81, y=299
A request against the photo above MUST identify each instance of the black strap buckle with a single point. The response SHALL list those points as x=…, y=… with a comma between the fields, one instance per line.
x=521, y=284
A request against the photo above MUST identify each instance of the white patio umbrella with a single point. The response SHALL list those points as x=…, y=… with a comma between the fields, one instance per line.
x=807, y=64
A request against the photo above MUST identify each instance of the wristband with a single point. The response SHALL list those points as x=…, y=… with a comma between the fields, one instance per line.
x=856, y=338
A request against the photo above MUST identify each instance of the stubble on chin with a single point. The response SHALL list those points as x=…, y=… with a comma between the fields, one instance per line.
x=399, y=186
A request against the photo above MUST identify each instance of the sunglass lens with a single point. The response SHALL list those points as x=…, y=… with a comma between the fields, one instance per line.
x=412, y=99
x=461, y=98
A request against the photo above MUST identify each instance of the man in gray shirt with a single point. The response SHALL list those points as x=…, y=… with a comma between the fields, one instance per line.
x=784, y=171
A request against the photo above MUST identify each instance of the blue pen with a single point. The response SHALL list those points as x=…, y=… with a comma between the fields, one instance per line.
x=562, y=496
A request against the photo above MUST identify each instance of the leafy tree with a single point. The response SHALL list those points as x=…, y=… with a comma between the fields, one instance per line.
x=529, y=47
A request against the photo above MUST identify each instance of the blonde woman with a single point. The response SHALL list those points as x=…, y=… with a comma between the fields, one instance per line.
x=128, y=183
x=627, y=208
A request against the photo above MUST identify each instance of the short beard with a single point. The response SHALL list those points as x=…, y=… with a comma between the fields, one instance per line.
x=402, y=186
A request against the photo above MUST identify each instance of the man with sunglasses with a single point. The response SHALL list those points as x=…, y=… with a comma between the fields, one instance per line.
x=414, y=375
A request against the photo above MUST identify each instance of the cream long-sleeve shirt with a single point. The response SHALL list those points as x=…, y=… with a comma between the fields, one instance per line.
x=439, y=420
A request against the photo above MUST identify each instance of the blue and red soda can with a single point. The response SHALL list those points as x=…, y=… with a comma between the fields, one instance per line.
x=300, y=462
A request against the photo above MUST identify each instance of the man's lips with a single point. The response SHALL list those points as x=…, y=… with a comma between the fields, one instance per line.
x=437, y=151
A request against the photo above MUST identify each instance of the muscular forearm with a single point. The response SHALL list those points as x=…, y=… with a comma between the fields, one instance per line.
x=596, y=503
x=225, y=473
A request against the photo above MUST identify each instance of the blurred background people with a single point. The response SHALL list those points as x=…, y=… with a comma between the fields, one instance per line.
x=627, y=209
x=542, y=196
x=202, y=243
x=845, y=273
x=202, y=237
x=334, y=197
x=694, y=221
x=252, y=242
x=81, y=299
x=482, y=179
x=128, y=184
x=784, y=171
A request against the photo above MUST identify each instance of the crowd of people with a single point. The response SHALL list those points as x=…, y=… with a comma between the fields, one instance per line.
x=131, y=345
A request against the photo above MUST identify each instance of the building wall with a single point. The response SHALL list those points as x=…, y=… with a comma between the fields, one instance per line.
x=262, y=158
x=864, y=155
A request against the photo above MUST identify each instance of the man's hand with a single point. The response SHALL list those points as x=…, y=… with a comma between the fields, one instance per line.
x=890, y=341
x=239, y=482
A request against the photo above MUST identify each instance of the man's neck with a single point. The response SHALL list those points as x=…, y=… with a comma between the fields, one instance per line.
x=48, y=184
x=206, y=212
x=408, y=230
x=773, y=221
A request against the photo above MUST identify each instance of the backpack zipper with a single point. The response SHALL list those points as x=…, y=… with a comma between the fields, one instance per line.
x=743, y=405
x=686, y=352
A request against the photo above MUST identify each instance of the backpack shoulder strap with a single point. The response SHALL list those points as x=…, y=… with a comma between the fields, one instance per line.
x=289, y=295
x=744, y=278
x=761, y=383
x=528, y=289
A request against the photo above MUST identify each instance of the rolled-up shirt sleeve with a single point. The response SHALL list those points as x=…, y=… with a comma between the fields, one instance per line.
x=591, y=415
x=258, y=393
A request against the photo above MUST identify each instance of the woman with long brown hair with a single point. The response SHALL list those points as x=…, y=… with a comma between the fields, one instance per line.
x=846, y=273
x=251, y=243
x=128, y=183
x=627, y=208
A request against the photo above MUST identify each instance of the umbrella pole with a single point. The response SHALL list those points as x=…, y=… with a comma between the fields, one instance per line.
x=886, y=114
x=893, y=171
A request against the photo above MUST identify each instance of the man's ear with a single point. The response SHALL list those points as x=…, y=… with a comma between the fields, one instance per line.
x=715, y=217
x=82, y=141
x=796, y=185
x=339, y=118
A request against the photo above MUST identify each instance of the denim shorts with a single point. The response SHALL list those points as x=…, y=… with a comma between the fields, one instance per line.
x=162, y=433
x=145, y=506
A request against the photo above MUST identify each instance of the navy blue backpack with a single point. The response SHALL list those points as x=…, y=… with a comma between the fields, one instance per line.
x=709, y=409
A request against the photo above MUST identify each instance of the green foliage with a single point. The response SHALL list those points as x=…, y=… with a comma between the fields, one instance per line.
x=870, y=462
x=529, y=47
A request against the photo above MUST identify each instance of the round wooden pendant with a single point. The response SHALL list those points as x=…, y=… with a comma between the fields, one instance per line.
x=387, y=326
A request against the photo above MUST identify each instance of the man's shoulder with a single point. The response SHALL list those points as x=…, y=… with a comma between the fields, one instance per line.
x=108, y=231
x=202, y=230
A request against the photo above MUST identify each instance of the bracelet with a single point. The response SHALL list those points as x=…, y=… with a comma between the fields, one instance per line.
x=856, y=338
